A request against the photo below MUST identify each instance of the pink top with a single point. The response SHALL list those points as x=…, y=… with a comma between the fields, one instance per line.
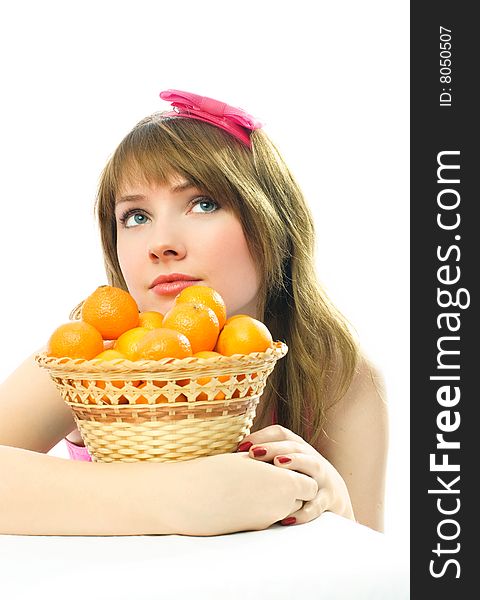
x=81, y=453
x=77, y=452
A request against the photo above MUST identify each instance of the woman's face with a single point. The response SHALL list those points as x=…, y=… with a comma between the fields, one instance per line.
x=171, y=236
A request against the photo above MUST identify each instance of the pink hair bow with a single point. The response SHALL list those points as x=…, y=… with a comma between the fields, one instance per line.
x=191, y=106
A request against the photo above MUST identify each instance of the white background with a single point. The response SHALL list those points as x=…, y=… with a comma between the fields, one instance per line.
x=332, y=87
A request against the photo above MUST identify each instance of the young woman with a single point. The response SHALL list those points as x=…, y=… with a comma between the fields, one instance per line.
x=199, y=194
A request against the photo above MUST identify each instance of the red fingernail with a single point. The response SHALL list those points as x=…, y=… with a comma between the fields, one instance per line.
x=284, y=459
x=244, y=447
x=259, y=452
x=289, y=521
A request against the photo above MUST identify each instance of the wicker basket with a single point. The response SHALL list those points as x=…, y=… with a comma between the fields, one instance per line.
x=171, y=409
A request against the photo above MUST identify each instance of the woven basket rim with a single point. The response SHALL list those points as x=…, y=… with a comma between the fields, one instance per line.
x=165, y=366
x=161, y=406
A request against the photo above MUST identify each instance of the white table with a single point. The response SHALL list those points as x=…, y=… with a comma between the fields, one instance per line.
x=329, y=558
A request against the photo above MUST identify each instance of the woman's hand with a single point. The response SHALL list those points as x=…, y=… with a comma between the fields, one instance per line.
x=227, y=493
x=281, y=447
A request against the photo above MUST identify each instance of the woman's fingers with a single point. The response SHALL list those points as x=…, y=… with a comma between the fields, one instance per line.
x=312, y=468
x=297, y=506
x=306, y=488
x=318, y=483
x=332, y=492
x=311, y=465
x=267, y=451
x=309, y=510
x=272, y=433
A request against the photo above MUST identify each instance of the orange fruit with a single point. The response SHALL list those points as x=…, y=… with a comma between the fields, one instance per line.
x=163, y=343
x=197, y=322
x=150, y=319
x=244, y=335
x=234, y=317
x=207, y=354
x=111, y=310
x=75, y=339
x=127, y=343
x=202, y=294
x=109, y=354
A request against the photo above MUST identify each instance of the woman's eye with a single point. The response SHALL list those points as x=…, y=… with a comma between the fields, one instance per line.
x=132, y=219
x=204, y=205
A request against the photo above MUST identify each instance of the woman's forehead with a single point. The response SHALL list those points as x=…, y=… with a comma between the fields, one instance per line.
x=176, y=184
x=134, y=175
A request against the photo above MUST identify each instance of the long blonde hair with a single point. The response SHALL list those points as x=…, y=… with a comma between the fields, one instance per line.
x=257, y=185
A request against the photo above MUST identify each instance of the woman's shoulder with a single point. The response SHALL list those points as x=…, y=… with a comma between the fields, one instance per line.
x=367, y=383
x=360, y=417
x=369, y=375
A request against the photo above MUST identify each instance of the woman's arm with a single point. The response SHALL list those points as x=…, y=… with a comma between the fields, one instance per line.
x=33, y=414
x=46, y=495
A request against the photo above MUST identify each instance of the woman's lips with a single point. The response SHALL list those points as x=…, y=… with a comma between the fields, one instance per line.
x=172, y=287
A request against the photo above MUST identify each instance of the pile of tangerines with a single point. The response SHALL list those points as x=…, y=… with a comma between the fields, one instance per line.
x=112, y=327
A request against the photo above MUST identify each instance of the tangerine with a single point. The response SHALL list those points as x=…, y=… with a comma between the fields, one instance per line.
x=230, y=319
x=244, y=335
x=75, y=339
x=111, y=310
x=109, y=354
x=197, y=322
x=163, y=343
x=151, y=319
x=207, y=354
x=202, y=294
x=127, y=343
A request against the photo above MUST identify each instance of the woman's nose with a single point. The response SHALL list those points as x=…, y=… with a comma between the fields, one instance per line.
x=165, y=251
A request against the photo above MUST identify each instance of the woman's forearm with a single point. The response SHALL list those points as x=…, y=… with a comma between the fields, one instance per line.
x=46, y=495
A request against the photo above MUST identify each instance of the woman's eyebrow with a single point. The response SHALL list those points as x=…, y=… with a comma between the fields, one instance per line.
x=175, y=189
x=181, y=187
x=130, y=198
